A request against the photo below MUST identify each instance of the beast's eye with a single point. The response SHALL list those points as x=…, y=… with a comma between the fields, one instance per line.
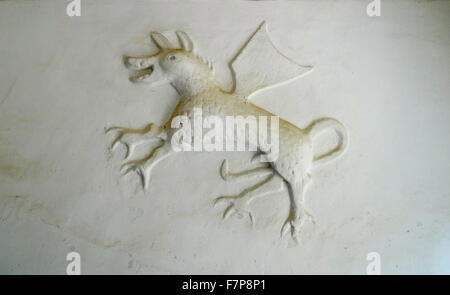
x=172, y=57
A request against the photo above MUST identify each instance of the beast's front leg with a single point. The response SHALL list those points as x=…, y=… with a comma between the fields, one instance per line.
x=144, y=166
x=133, y=137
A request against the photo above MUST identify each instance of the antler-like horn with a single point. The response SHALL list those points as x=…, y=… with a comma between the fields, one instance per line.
x=161, y=41
x=185, y=41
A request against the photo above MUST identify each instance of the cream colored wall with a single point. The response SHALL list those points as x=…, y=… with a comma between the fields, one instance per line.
x=62, y=82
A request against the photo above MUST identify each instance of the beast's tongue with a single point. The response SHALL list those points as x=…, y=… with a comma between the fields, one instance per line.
x=141, y=75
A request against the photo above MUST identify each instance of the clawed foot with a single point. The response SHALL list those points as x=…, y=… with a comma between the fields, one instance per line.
x=129, y=140
x=293, y=225
x=139, y=167
x=134, y=165
x=224, y=170
x=236, y=205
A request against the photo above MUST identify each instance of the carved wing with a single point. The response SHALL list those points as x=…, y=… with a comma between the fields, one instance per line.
x=260, y=65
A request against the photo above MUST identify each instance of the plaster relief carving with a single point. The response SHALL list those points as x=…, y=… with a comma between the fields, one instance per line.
x=193, y=78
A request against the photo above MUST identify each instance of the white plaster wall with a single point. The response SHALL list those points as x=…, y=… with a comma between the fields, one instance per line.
x=62, y=82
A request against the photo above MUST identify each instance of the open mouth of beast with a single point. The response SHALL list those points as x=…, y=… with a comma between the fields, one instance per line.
x=141, y=74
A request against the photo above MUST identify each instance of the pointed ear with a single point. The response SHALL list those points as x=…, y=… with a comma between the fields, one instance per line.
x=185, y=41
x=160, y=41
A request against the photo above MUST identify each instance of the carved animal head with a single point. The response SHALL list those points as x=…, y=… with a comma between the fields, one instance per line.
x=181, y=67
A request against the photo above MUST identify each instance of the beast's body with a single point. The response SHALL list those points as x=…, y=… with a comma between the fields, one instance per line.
x=295, y=155
x=194, y=80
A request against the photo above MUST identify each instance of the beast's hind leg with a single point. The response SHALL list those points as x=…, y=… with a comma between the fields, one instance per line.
x=240, y=203
x=133, y=137
x=255, y=172
x=297, y=212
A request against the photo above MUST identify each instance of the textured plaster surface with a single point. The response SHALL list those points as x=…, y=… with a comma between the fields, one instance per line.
x=62, y=81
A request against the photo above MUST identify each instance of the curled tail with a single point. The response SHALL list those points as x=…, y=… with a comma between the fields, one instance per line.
x=320, y=125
